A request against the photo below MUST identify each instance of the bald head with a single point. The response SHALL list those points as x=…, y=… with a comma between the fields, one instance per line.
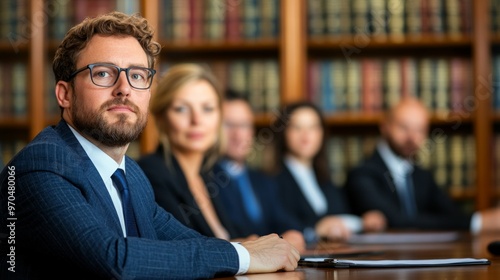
x=405, y=127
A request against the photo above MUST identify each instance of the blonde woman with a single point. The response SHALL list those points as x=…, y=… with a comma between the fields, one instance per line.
x=187, y=111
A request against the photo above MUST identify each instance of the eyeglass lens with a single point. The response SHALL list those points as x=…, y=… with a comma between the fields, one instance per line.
x=107, y=75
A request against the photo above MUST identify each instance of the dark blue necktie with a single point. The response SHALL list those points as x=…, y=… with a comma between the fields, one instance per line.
x=128, y=211
x=250, y=202
x=407, y=196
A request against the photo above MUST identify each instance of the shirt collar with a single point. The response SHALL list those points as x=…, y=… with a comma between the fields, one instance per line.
x=232, y=167
x=296, y=166
x=397, y=165
x=104, y=164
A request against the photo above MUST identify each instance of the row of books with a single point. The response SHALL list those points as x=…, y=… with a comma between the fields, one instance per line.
x=389, y=18
x=450, y=157
x=257, y=80
x=13, y=89
x=63, y=14
x=183, y=20
x=374, y=84
x=14, y=20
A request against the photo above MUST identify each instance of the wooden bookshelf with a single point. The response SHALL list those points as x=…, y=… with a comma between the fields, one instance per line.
x=293, y=49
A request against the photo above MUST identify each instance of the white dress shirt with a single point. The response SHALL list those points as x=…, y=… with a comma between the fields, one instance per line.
x=306, y=179
x=106, y=166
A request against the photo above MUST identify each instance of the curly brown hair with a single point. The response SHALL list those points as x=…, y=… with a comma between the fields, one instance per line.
x=111, y=24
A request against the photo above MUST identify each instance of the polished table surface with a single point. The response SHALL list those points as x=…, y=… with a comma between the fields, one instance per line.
x=466, y=246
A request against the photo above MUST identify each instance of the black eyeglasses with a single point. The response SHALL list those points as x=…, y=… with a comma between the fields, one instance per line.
x=106, y=75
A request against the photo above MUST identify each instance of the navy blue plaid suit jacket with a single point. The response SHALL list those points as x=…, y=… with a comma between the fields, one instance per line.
x=66, y=222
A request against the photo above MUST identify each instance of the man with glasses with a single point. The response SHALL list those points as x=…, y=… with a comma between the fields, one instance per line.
x=76, y=207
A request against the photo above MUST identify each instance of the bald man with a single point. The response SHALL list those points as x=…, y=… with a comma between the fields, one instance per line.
x=408, y=196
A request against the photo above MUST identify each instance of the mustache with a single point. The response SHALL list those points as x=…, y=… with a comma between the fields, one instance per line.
x=120, y=101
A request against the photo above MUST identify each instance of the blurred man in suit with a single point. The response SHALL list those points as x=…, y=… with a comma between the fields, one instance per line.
x=250, y=198
x=83, y=210
x=406, y=194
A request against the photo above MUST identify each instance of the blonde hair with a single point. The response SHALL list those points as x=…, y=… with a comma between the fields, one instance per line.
x=175, y=78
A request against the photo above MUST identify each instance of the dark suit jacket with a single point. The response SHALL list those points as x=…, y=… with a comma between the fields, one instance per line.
x=275, y=219
x=67, y=226
x=296, y=204
x=371, y=187
x=172, y=192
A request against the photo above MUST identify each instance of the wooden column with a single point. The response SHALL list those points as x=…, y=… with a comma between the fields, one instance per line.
x=482, y=96
x=36, y=68
x=293, y=50
x=149, y=139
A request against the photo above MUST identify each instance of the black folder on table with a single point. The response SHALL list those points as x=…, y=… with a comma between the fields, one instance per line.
x=344, y=263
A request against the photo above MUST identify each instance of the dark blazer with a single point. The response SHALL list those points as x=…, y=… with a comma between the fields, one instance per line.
x=173, y=194
x=66, y=225
x=371, y=187
x=275, y=219
x=296, y=204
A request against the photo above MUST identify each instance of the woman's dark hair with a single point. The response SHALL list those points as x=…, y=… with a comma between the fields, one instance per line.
x=280, y=125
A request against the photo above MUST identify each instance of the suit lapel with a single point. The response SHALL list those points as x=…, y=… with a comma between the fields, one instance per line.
x=92, y=176
x=388, y=181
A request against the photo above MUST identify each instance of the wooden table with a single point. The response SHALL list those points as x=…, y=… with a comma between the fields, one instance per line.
x=466, y=247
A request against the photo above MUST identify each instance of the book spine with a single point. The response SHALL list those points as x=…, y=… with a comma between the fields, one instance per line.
x=360, y=16
x=425, y=83
x=215, y=18
x=269, y=19
x=180, y=18
x=332, y=11
x=414, y=22
x=233, y=23
x=353, y=91
x=392, y=82
x=19, y=78
x=326, y=89
x=315, y=18
x=378, y=18
x=396, y=19
x=453, y=18
x=442, y=83
x=339, y=77
x=314, y=80
x=250, y=19
x=272, y=86
x=256, y=85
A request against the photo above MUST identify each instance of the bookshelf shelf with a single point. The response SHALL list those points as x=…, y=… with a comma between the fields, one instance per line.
x=206, y=46
x=389, y=42
x=463, y=193
x=495, y=117
x=495, y=39
x=7, y=48
x=374, y=118
x=220, y=46
x=14, y=123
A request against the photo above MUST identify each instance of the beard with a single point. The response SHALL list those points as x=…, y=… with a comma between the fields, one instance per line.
x=406, y=150
x=93, y=123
